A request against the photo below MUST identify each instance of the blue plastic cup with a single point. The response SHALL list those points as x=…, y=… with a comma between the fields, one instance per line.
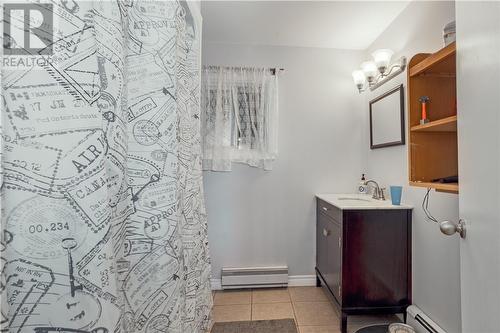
x=396, y=195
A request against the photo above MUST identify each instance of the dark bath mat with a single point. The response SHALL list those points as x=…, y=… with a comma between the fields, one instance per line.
x=259, y=326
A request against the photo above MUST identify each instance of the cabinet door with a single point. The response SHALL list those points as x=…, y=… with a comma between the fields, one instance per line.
x=322, y=232
x=377, y=264
x=333, y=269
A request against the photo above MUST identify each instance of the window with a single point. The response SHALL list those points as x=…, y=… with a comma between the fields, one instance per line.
x=239, y=117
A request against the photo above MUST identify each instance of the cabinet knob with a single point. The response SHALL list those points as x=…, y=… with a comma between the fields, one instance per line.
x=326, y=233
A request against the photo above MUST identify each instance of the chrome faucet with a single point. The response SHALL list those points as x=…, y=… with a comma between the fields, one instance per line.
x=378, y=193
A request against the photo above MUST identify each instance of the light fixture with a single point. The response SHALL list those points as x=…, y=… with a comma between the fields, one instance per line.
x=370, y=71
x=359, y=79
x=378, y=71
x=382, y=59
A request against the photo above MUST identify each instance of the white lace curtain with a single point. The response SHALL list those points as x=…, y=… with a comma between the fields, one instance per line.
x=239, y=117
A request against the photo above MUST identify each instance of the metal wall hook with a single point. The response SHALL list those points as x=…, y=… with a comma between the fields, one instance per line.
x=449, y=228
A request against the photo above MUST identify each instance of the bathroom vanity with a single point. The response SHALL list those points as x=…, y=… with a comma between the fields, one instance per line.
x=363, y=254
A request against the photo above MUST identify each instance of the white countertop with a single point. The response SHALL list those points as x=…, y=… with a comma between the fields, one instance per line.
x=359, y=201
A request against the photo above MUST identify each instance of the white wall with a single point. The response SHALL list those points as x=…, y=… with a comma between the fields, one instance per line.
x=259, y=218
x=436, y=262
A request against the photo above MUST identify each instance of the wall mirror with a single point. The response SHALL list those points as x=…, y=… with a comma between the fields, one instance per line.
x=387, y=119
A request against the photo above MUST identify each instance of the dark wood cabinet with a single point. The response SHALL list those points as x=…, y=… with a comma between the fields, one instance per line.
x=328, y=254
x=322, y=233
x=363, y=259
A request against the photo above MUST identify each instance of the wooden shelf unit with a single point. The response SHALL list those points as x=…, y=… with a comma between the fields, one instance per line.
x=443, y=62
x=433, y=149
x=440, y=187
x=448, y=124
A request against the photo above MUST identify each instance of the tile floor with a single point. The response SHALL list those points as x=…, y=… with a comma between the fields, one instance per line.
x=309, y=306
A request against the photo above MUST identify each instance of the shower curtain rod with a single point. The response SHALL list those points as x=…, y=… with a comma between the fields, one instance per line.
x=273, y=70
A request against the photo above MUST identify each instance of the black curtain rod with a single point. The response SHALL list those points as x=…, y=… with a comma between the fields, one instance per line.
x=273, y=70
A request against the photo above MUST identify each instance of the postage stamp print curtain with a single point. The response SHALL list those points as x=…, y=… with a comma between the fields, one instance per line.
x=104, y=227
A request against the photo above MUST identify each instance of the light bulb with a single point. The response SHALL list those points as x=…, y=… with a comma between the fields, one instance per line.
x=370, y=70
x=359, y=79
x=382, y=59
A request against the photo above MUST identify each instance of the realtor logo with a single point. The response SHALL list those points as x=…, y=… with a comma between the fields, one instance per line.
x=28, y=29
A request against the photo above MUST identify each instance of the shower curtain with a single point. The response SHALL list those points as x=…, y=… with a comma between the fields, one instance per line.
x=103, y=220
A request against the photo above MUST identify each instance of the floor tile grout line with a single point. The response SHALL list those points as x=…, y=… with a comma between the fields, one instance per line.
x=293, y=309
x=295, y=315
x=251, y=305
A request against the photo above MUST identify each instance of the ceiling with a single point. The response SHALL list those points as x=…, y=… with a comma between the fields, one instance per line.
x=325, y=24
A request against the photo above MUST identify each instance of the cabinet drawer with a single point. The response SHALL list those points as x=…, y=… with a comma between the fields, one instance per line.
x=329, y=210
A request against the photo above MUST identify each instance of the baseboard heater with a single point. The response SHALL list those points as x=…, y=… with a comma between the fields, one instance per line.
x=254, y=277
x=421, y=322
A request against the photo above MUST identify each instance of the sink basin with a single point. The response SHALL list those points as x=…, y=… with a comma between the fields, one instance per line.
x=356, y=202
x=356, y=199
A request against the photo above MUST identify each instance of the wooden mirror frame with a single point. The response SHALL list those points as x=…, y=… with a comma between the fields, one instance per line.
x=399, y=89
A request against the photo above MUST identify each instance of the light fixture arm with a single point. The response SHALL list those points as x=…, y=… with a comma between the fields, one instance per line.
x=393, y=70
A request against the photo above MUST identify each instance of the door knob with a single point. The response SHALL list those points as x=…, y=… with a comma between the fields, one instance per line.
x=449, y=228
x=326, y=233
